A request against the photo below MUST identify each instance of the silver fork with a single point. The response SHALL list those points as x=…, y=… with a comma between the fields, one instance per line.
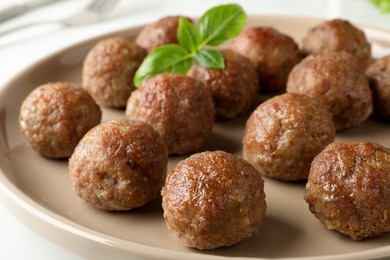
x=93, y=12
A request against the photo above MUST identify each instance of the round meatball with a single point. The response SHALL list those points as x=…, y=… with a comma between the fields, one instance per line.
x=334, y=79
x=119, y=165
x=284, y=134
x=109, y=69
x=337, y=35
x=273, y=53
x=378, y=74
x=55, y=116
x=213, y=199
x=349, y=189
x=161, y=32
x=179, y=107
x=232, y=88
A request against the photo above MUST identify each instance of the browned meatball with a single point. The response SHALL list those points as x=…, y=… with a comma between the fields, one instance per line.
x=349, y=189
x=179, y=107
x=119, y=165
x=109, y=69
x=273, y=53
x=284, y=134
x=378, y=74
x=55, y=116
x=334, y=79
x=337, y=35
x=161, y=32
x=233, y=88
x=213, y=199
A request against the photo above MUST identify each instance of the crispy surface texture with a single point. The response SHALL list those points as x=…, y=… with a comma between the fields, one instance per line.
x=213, y=199
x=119, y=165
x=179, y=107
x=273, y=54
x=233, y=88
x=109, y=69
x=335, y=80
x=161, y=32
x=284, y=134
x=378, y=74
x=349, y=189
x=338, y=35
x=55, y=116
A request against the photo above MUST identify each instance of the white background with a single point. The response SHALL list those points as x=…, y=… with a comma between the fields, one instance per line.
x=21, y=49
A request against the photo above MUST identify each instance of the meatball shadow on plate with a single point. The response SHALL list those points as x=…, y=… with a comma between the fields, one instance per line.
x=372, y=130
x=262, y=244
x=218, y=141
x=240, y=121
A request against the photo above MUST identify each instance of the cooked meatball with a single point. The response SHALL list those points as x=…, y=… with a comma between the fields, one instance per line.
x=378, y=74
x=55, y=116
x=109, y=69
x=337, y=35
x=213, y=199
x=232, y=88
x=179, y=107
x=349, y=189
x=119, y=165
x=273, y=53
x=334, y=79
x=161, y=32
x=284, y=134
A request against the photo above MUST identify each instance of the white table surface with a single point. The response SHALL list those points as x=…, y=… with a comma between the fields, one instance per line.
x=19, y=50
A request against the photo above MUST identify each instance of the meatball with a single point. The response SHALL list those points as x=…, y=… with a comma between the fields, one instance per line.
x=55, y=116
x=337, y=35
x=334, y=79
x=349, y=189
x=179, y=107
x=273, y=53
x=378, y=74
x=119, y=165
x=163, y=31
x=233, y=88
x=109, y=69
x=284, y=134
x=213, y=199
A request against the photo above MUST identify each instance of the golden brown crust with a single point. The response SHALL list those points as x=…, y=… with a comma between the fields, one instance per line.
x=336, y=80
x=213, y=199
x=273, y=53
x=119, y=165
x=55, y=116
x=349, y=189
x=161, y=32
x=378, y=74
x=179, y=107
x=233, y=88
x=109, y=69
x=284, y=134
x=338, y=35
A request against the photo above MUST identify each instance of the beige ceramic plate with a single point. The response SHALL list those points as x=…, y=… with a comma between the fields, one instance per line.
x=39, y=193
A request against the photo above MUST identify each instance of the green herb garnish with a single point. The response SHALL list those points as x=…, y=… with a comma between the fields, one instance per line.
x=215, y=27
x=384, y=5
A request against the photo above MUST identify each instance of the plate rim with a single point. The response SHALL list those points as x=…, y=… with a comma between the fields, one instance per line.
x=15, y=200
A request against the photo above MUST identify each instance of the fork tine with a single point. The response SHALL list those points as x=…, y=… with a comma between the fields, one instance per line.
x=101, y=5
x=94, y=4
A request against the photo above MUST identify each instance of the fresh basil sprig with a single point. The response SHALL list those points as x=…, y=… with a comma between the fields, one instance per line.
x=384, y=5
x=215, y=27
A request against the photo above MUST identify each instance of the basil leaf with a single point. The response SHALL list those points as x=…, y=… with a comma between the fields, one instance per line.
x=188, y=35
x=210, y=59
x=221, y=23
x=384, y=5
x=166, y=58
